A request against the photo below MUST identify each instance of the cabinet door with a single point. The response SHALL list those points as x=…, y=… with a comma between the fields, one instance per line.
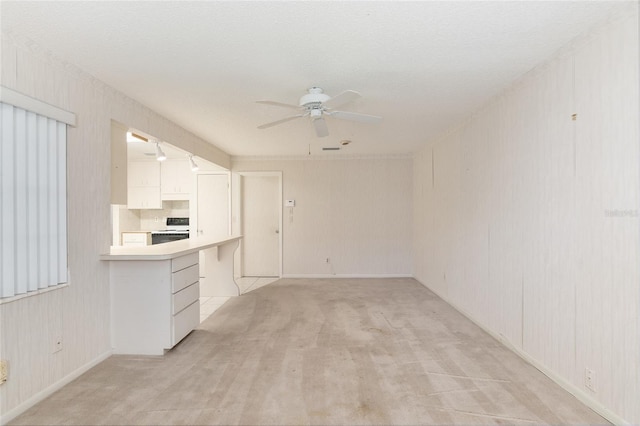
x=144, y=185
x=176, y=180
x=143, y=173
x=141, y=197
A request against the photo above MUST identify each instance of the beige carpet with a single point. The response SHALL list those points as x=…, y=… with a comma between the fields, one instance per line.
x=340, y=351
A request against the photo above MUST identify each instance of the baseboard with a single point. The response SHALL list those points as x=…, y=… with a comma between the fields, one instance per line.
x=15, y=412
x=582, y=396
x=347, y=276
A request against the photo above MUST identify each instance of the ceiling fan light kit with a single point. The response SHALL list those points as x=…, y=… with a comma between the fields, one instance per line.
x=316, y=104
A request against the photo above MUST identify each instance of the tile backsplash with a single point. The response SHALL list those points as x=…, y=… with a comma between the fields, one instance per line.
x=153, y=220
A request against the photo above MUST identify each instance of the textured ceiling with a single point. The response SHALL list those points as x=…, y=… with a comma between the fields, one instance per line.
x=423, y=66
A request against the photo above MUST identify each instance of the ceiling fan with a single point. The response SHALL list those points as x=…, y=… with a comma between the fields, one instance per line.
x=316, y=104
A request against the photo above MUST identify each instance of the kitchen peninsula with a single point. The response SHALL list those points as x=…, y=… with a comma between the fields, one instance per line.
x=155, y=291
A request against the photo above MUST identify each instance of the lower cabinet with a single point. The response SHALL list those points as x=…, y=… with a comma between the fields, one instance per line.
x=185, y=295
x=155, y=303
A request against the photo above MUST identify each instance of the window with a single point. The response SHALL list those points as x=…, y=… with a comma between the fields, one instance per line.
x=33, y=201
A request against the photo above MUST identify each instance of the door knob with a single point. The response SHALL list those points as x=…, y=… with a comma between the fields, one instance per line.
x=277, y=231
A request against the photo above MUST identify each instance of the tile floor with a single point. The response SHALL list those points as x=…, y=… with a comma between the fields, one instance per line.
x=209, y=305
x=247, y=284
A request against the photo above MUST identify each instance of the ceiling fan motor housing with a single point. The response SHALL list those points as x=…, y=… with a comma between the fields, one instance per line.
x=315, y=97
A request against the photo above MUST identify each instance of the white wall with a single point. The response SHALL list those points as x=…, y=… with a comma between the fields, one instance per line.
x=357, y=212
x=528, y=221
x=80, y=312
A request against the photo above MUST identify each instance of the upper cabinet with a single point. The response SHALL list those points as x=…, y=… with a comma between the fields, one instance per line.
x=144, y=185
x=176, y=179
x=144, y=173
x=149, y=182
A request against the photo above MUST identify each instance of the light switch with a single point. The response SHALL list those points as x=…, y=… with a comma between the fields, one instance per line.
x=290, y=203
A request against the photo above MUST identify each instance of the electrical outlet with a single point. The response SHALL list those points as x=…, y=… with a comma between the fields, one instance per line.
x=4, y=371
x=589, y=380
x=57, y=344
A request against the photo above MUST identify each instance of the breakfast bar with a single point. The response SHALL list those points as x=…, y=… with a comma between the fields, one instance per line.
x=155, y=291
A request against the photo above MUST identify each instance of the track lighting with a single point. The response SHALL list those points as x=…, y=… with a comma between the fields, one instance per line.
x=159, y=154
x=194, y=166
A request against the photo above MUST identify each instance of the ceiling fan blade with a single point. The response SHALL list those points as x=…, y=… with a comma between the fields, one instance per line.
x=354, y=116
x=341, y=99
x=284, y=120
x=280, y=104
x=321, y=127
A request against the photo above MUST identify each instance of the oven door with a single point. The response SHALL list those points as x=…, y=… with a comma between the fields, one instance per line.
x=161, y=237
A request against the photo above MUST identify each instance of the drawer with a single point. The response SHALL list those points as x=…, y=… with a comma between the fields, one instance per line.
x=136, y=239
x=184, y=322
x=184, y=261
x=185, y=297
x=184, y=278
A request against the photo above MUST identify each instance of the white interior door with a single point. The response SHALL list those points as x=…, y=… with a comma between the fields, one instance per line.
x=261, y=226
x=212, y=221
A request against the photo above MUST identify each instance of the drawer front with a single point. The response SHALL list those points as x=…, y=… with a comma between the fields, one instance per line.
x=184, y=278
x=135, y=239
x=184, y=261
x=184, y=322
x=185, y=297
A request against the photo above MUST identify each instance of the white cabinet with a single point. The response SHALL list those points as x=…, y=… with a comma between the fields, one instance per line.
x=185, y=303
x=155, y=291
x=143, y=178
x=176, y=180
x=144, y=198
x=133, y=239
x=144, y=173
x=155, y=303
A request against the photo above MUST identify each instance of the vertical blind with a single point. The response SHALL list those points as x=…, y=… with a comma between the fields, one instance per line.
x=33, y=203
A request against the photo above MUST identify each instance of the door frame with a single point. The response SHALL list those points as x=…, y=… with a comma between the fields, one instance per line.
x=277, y=174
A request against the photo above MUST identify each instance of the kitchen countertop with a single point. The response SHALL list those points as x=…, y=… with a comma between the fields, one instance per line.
x=166, y=251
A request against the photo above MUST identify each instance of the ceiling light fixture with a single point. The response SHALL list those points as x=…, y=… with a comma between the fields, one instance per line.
x=160, y=156
x=132, y=137
x=194, y=166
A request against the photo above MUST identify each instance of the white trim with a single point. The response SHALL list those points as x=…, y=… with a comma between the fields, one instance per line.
x=347, y=276
x=581, y=395
x=16, y=411
x=17, y=99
